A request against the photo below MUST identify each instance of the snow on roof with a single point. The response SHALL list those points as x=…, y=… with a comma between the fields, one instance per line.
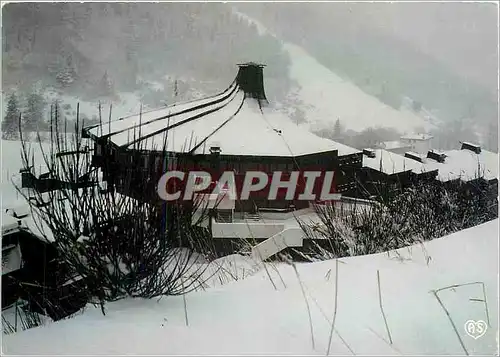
x=392, y=163
x=157, y=119
x=416, y=154
x=471, y=144
x=244, y=128
x=388, y=145
x=239, y=125
x=465, y=165
x=416, y=137
x=9, y=223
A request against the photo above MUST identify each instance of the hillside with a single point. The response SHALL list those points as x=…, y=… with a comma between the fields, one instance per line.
x=322, y=97
x=82, y=43
x=441, y=57
x=131, y=45
x=249, y=316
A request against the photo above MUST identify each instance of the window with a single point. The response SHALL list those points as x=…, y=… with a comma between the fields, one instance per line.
x=158, y=163
x=11, y=258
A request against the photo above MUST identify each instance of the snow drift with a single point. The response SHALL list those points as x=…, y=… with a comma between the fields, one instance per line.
x=249, y=316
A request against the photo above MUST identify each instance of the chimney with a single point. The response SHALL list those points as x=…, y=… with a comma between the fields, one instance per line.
x=215, y=150
x=439, y=157
x=369, y=152
x=413, y=156
x=250, y=78
x=474, y=148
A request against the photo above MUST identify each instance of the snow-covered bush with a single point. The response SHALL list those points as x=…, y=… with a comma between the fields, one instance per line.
x=19, y=317
x=418, y=213
x=118, y=245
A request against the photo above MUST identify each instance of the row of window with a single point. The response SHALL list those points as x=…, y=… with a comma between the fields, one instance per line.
x=237, y=164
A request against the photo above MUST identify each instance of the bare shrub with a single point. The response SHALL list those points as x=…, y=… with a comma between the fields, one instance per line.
x=120, y=246
x=418, y=213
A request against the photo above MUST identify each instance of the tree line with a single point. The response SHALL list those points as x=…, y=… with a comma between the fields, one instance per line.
x=30, y=113
x=446, y=136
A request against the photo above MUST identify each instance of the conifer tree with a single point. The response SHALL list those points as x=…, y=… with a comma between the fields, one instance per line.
x=10, y=123
x=33, y=117
x=337, y=129
x=106, y=86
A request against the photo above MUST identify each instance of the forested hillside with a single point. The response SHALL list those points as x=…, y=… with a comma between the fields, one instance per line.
x=131, y=54
x=356, y=42
x=93, y=49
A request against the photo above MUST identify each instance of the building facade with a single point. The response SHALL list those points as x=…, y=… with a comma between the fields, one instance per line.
x=236, y=130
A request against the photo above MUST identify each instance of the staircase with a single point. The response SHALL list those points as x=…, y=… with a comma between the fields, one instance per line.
x=290, y=237
x=224, y=216
x=251, y=216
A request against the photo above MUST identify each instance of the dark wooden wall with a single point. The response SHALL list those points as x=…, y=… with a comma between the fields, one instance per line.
x=136, y=173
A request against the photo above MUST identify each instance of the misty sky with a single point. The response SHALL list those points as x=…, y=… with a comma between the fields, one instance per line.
x=464, y=36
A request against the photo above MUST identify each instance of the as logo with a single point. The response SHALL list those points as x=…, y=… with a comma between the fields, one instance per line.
x=475, y=329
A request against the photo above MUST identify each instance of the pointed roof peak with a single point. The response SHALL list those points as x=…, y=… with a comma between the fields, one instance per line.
x=251, y=64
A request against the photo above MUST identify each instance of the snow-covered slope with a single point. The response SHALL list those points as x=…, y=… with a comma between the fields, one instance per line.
x=325, y=97
x=126, y=104
x=251, y=317
x=330, y=97
x=11, y=163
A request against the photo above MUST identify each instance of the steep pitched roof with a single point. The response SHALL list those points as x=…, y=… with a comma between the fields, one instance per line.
x=238, y=120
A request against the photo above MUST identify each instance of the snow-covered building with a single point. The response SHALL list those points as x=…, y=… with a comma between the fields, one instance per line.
x=11, y=251
x=235, y=130
x=419, y=143
x=467, y=164
x=395, y=146
x=31, y=270
x=471, y=168
x=384, y=170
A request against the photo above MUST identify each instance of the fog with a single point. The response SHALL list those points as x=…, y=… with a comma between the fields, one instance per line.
x=443, y=56
x=463, y=36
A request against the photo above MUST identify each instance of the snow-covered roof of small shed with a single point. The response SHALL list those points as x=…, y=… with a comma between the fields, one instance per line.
x=9, y=223
x=239, y=120
x=392, y=163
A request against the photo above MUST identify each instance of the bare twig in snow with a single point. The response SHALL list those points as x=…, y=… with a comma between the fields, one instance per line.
x=435, y=292
x=335, y=306
x=185, y=304
x=392, y=346
x=307, y=305
x=382, y=308
x=330, y=323
x=453, y=287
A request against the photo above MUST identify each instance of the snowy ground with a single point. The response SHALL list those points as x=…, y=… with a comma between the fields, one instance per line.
x=11, y=163
x=250, y=316
x=322, y=95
